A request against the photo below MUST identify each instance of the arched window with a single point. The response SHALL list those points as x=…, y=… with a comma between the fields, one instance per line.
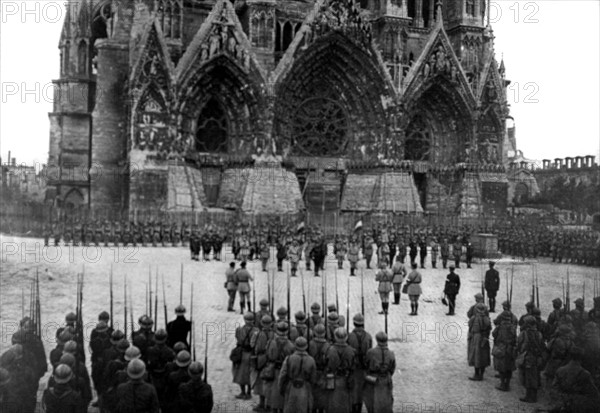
x=212, y=131
x=418, y=140
x=82, y=60
x=288, y=35
x=73, y=200
x=278, y=29
x=470, y=7
x=67, y=57
x=411, y=8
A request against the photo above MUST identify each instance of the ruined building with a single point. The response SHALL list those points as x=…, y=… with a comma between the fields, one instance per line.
x=277, y=106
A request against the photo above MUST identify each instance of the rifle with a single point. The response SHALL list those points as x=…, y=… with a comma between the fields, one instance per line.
x=324, y=300
x=532, y=285
x=348, y=306
x=269, y=298
x=583, y=298
x=337, y=302
x=288, y=304
x=149, y=291
x=512, y=276
x=125, y=301
x=568, y=297
x=273, y=292
x=111, y=297
x=563, y=289
x=483, y=282
x=181, y=286
x=303, y=292
x=22, y=303
x=537, y=289
x=164, y=301
x=131, y=314
x=146, y=300
x=156, y=297
x=206, y=356
x=254, y=297
x=38, y=306
x=193, y=332
x=362, y=292
x=506, y=276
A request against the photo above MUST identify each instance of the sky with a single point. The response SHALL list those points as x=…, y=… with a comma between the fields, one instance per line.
x=551, y=50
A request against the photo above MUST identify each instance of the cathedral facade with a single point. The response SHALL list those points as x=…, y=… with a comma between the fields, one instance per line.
x=338, y=105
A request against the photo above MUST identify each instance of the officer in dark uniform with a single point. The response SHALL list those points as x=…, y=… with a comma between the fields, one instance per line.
x=206, y=245
x=185, y=233
x=178, y=329
x=492, y=285
x=217, y=245
x=422, y=251
x=451, y=289
x=137, y=395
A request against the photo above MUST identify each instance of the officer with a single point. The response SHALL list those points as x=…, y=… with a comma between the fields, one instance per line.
x=361, y=342
x=265, y=253
x=384, y=277
x=341, y=362
x=217, y=245
x=401, y=248
x=412, y=253
x=144, y=337
x=294, y=253
x=176, y=378
x=339, y=250
x=380, y=367
x=297, y=376
x=434, y=252
x=492, y=285
x=178, y=329
x=159, y=356
x=470, y=251
x=317, y=254
x=230, y=285
x=195, y=396
x=414, y=289
x=399, y=272
x=137, y=395
x=368, y=250
x=445, y=252
x=451, y=289
x=423, y=251
x=457, y=252
x=61, y=398
x=206, y=245
x=242, y=279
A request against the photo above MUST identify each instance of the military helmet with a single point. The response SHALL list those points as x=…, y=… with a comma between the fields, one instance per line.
x=160, y=336
x=104, y=316
x=180, y=309
x=301, y=344
x=116, y=336
x=62, y=374
x=333, y=316
x=71, y=317
x=248, y=316
x=183, y=358
x=381, y=337
x=136, y=369
x=359, y=320
x=264, y=302
x=18, y=337
x=195, y=369
x=67, y=359
x=179, y=346
x=146, y=321
x=281, y=327
x=101, y=327
x=132, y=353
x=266, y=320
x=123, y=345
x=340, y=334
x=300, y=316
x=315, y=308
x=282, y=312
x=70, y=347
x=319, y=330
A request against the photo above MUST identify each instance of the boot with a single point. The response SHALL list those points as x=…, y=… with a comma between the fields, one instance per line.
x=242, y=308
x=416, y=308
x=386, y=307
x=412, y=309
x=502, y=386
x=533, y=398
x=396, y=298
x=382, y=308
x=477, y=375
x=352, y=272
x=527, y=398
x=507, y=384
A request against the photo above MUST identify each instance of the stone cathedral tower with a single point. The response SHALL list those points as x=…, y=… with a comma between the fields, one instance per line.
x=277, y=106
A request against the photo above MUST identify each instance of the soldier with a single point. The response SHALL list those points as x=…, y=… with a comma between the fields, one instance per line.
x=242, y=279
x=574, y=387
x=70, y=320
x=217, y=244
x=434, y=252
x=307, y=251
x=206, y=241
x=445, y=252
x=341, y=362
x=451, y=290
x=277, y=351
x=61, y=398
x=318, y=254
x=186, y=232
x=137, y=395
x=178, y=329
x=294, y=253
x=505, y=341
x=457, y=252
x=580, y=318
x=380, y=367
x=80, y=381
x=332, y=324
x=384, y=277
x=399, y=272
x=9, y=398
x=300, y=329
x=175, y=234
x=159, y=357
x=392, y=246
x=22, y=376
x=414, y=288
x=144, y=337
x=412, y=251
x=176, y=378
x=244, y=248
x=230, y=285
x=195, y=244
x=33, y=347
x=259, y=342
x=297, y=376
x=265, y=253
x=530, y=346
x=470, y=250
x=368, y=250
x=492, y=285
x=556, y=316
x=353, y=251
x=339, y=250
x=263, y=311
x=112, y=378
x=315, y=317
x=478, y=299
x=422, y=251
x=99, y=343
x=478, y=341
x=243, y=350
x=318, y=350
x=558, y=349
x=361, y=342
x=195, y=396
x=281, y=254
x=401, y=248
x=332, y=308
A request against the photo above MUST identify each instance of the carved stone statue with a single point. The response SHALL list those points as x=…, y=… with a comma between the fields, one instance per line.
x=231, y=45
x=214, y=44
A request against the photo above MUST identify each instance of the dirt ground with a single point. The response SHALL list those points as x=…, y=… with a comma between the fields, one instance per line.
x=431, y=348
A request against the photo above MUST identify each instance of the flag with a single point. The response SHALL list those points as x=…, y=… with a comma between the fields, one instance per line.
x=358, y=225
